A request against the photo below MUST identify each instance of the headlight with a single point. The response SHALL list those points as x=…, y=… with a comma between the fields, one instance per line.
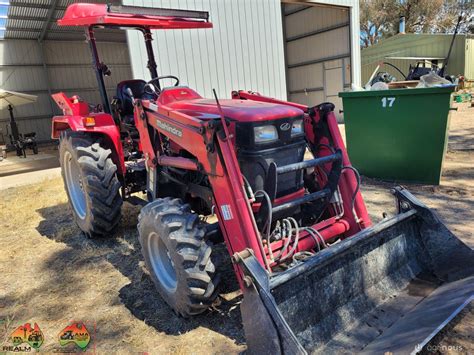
x=265, y=134
x=297, y=128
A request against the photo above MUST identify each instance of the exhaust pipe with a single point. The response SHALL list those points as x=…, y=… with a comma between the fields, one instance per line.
x=375, y=292
x=401, y=25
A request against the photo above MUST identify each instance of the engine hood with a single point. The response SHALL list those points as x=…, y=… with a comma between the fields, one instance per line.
x=238, y=110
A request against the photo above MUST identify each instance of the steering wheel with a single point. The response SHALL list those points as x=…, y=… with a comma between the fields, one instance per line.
x=155, y=83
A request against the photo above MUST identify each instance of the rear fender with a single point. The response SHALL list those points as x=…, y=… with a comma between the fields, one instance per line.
x=104, y=127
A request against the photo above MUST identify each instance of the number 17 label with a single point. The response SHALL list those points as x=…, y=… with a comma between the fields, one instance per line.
x=388, y=101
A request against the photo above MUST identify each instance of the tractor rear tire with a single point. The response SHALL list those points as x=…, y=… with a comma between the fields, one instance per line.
x=177, y=256
x=91, y=183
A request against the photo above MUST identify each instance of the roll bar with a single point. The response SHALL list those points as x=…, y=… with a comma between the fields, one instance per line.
x=144, y=19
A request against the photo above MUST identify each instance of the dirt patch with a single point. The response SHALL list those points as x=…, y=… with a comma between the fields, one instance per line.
x=52, y=274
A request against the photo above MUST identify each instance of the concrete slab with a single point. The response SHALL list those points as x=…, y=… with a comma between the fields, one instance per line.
x=28, y=178
x=47, y=158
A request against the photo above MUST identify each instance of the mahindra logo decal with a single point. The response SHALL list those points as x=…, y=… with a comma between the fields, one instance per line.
x=169, y=128
x=285, y=126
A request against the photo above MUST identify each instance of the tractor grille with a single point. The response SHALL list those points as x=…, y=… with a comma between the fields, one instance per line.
x=254, y=165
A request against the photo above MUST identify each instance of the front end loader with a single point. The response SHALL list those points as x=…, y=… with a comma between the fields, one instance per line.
x=316, y=275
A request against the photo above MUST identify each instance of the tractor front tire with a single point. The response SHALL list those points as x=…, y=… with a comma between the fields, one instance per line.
x=91, y=183
x=177, y=256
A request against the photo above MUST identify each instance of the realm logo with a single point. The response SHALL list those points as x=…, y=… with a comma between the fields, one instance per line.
x=26, y=334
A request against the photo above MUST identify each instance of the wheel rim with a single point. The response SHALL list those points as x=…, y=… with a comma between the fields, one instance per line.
x=161, y=262
x=74, y=185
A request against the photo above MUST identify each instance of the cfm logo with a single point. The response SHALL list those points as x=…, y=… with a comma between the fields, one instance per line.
x=76, y=333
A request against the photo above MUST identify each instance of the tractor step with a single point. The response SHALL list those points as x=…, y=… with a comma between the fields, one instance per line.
x=136, y=201
x=390, y=288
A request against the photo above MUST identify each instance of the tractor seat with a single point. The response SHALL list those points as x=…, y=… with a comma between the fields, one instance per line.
x=125, y=105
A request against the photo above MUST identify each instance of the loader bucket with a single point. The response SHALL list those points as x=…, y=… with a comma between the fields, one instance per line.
x=389, y=289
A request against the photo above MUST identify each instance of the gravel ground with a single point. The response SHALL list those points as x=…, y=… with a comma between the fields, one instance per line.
x=52, y=275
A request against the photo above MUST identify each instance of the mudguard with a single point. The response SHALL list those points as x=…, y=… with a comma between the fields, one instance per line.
x=74, y=113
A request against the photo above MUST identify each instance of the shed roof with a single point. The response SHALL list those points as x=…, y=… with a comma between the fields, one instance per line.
x=412, y=45
x=37, y=20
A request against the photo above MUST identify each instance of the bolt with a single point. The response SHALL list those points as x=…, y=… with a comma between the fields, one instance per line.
x=209, y=148
x=405, y=205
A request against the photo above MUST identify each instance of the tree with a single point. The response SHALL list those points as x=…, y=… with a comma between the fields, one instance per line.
x=380, y=18
x=420, y=15
x=448, y=17
x=375, y=19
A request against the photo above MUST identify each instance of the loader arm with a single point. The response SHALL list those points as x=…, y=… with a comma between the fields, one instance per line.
x=214, y=158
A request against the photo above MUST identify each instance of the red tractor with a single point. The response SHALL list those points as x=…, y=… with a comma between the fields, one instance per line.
x=316, y=276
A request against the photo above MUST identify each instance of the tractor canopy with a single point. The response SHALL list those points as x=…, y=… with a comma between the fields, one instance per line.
x=102, y=15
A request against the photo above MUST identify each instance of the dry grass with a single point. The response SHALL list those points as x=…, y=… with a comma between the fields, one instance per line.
x=52, y=274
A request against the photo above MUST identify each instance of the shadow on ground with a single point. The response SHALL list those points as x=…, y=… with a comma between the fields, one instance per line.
x=139, y=296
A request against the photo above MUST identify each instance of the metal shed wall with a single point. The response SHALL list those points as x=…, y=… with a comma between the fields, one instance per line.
x=318, y=52
x=414, y=45
x=244, y=50
x=353, y=8
x=67, y=68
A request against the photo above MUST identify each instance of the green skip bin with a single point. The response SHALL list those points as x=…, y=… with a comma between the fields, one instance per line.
x=398, y=134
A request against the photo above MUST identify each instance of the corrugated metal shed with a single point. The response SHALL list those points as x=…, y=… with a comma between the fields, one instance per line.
x=318, y=52
x=244, y=50
x=40, y=58
x=67, y=68
x=416, y=45
x=36, y=19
